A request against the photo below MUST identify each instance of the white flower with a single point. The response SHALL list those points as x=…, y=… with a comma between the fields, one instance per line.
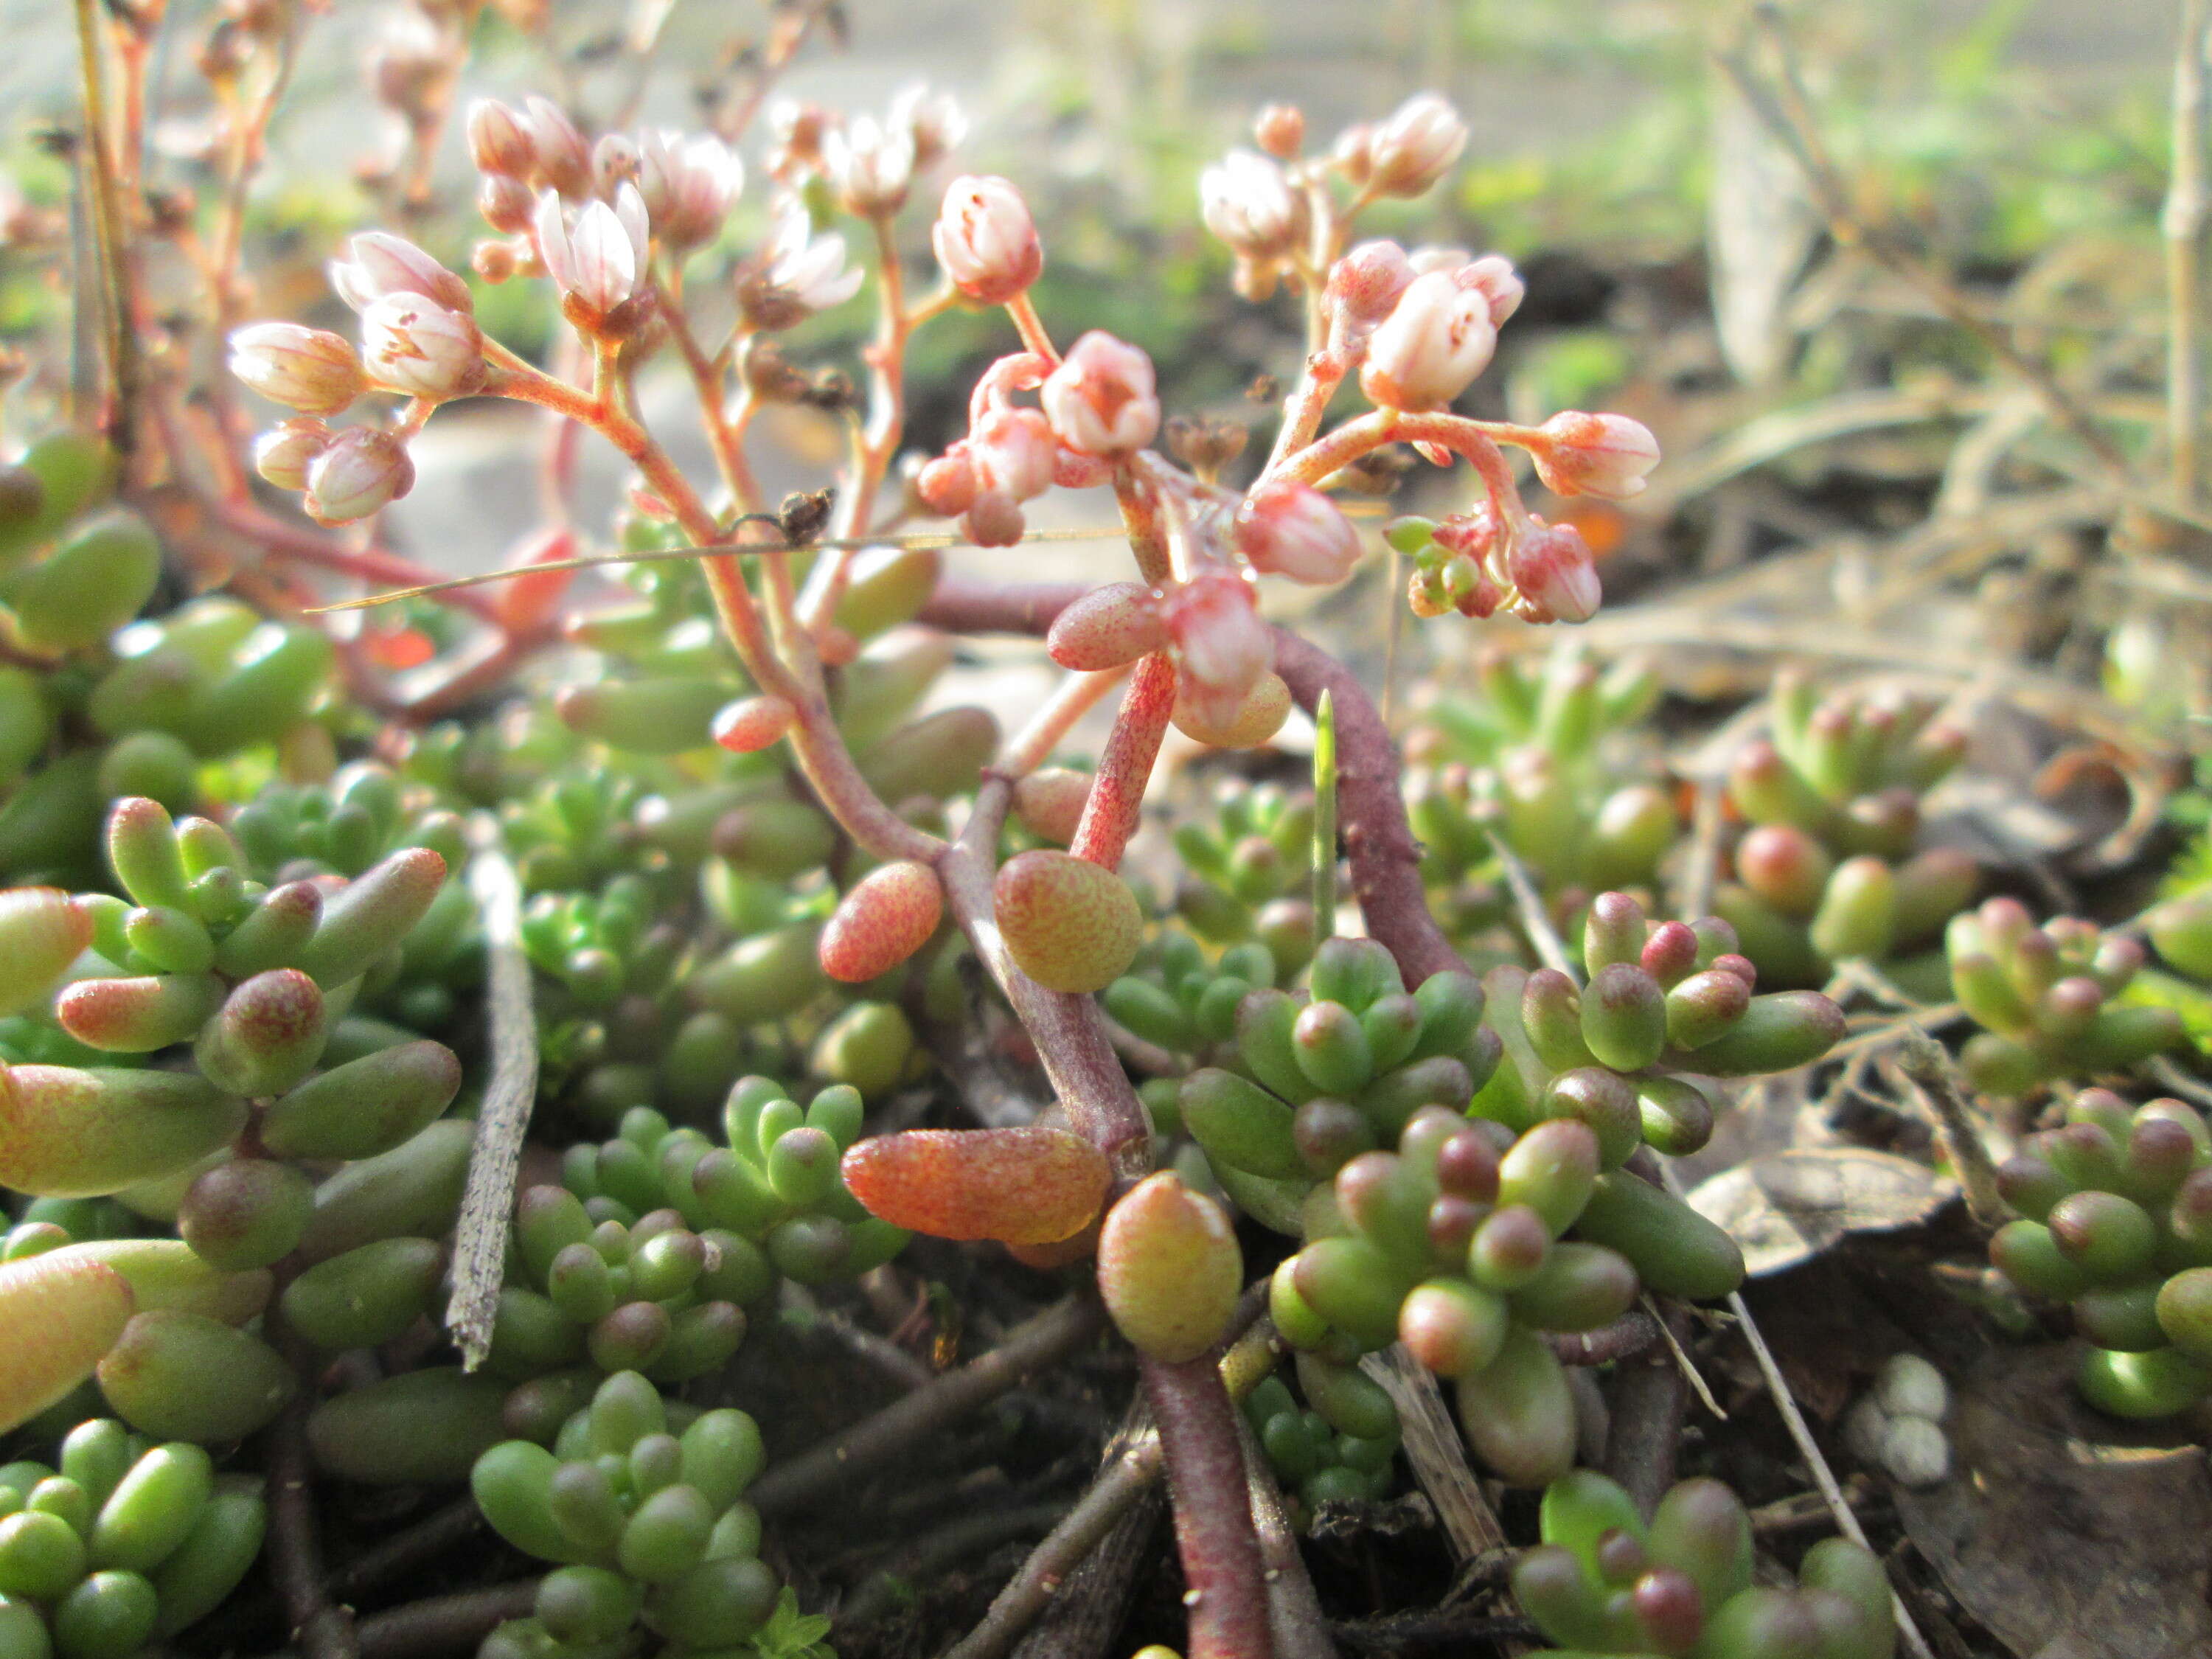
x=599, y=260
x=687, y=185
x=869, y=167
x=381, y=264
x=1248, y=203
x=809, y=269
x=1103, y=400
x=416, y=346
x=933, y=121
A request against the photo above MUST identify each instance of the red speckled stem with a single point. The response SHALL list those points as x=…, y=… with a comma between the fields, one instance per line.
x=1117, y=794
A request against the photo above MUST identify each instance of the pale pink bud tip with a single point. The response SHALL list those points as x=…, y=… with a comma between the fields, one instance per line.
x=1411, y=150
x=1101, y=399
x=281, y=454
x=308, y=369
x=1287, y=529
x=888, y=916
x=379, y=263
x=360, y=471
x=1248, y=203
x=1608, y=455
x=498, y=142
x=1551, y=567
x=751, y=724
x=985, y=241
x=1435, y=340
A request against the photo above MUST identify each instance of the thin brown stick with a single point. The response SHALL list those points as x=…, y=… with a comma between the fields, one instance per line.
x=1650, y=1396
x=437, y=1534
x=2188, y=200
x=1927, y=1066
x=495, y=1160
x=1087, y=1608
x=1029, y=1348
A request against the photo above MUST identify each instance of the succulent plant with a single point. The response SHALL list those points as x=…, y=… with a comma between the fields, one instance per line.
x=1605, y=1581
x=642, y=1507
x=1311, y=1457
x=2048, y=999
x=119, y=1544
x=2116, y=1221
x=1827, y=869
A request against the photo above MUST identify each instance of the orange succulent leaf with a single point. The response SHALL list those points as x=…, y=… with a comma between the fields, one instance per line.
x=77, y=1308
x=1027, y=1187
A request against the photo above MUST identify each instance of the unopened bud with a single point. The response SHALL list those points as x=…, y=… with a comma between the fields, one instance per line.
x=1429, y=350
x=1101, y=399
x=1289, y=529
x=309, y=369
x=1411, y=150
x=358, y=472
x=1606, y=455
x=1281, y=129
x=985, y=241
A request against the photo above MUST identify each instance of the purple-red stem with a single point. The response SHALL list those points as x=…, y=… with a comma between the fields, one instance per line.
x=1226, y=1594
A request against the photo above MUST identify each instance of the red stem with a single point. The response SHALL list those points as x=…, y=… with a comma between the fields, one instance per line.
x=1117, y=794
x=1385, y=858
x=1227, y=1580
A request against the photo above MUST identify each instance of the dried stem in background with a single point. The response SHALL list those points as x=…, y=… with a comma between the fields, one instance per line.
x=1924, y=1061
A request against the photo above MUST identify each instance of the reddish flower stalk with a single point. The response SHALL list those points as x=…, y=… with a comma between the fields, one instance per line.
x=1227, y=1595
x=1033, y=744
x=1110, y=817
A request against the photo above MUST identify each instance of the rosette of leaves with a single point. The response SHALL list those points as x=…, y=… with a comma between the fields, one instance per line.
x=1827, y=870
x=2116, y=1221
x=1177, y=997
x=775, y=1187
x=360, y=815
x=1247, y=869
x=93, y=706
x=1314, y=1460
x=119, y=1544
x=1312, y=1079
x=2049, y=1000
x=1606, y=1581
x=214, y=1057
x=1537, y=760
x=1665, y=1003
x=641, y=1506
x=1456, y=1243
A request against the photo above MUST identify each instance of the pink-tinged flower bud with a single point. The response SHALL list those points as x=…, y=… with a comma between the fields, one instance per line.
x=563, y=160
x=1106, y=628
x=281, y=454
x=506, y=205
x=889, y=914
x=1169, y=1268
x=1353, y=153
x=1494, y=277
x=1286, y=529
x=1363, y=288
x=1248, y=203
x=416, y=346
x=360, y=471
x=596, y=262
x=931, y=120
x=689, y=186
x=1410, y=151
x=948, y=485
x=1551, y=567
x=380, y=264
x=994, y=519
x=307, y=368
x=1013, y=450
x=1434, y=341
x=1101, y=399
x=1224, y=645
x=499, y=145
x=1606, y=455
x=1281, y=129
x=985, y=241
x=751, y=724
x=870, y=168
